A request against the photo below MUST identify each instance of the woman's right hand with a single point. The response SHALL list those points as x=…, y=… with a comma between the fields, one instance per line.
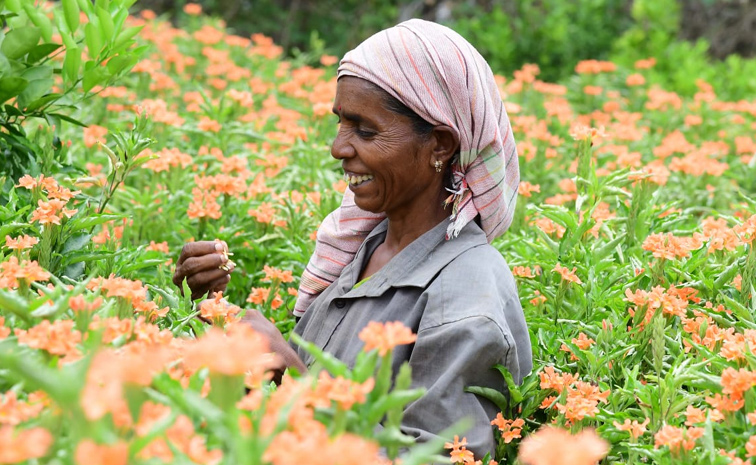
x=205, y=266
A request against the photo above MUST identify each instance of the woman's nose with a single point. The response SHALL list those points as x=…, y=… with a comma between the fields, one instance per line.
x=341, y=148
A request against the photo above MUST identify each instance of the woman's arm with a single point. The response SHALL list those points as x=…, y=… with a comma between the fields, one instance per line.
x=288, y=358
x=445, y=360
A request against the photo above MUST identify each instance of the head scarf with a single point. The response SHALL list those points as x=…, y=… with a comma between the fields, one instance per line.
x=435, y=72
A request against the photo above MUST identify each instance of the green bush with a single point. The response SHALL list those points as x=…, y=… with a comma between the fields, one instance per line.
x=555, y=34
x=45, y=77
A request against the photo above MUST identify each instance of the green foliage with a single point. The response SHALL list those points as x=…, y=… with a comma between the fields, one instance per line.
x=554, y=34
x=43, y=81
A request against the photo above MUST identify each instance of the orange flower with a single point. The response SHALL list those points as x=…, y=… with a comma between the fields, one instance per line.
x=51, y=212
x=635, y=429
x=158, y=247
x=90, y=453
x=550, y=379
x=14, y=411
x=208, y=125
x=526, y=189
x=218, y=310
x=21, y=242
x=510, y=429
x=345, y=393
x=694, y=415
x=260, y=295
x=635, y=80
x=57, y=338
x=204, y=205
x=459, y=452
x=583, y=132
x=551, y=445
x=274, y=274
x=747, y=230
x=566, y=274
x=668, y=246
x=386, y=336
x=20, y=446
x=328, y=60
x=243, y=349
x=583, y=341
x=593, y=90
x=12, y=271
x=523, y=272
x=264, y=213
x=94, y=134
x=676, y=438
x=193, y=9
x=582, y=401
x=538, y=299
x=751, y=447
x=645, y=64
x=549, y=227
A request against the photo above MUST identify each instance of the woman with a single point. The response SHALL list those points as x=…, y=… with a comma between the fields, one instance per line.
x=427, y=149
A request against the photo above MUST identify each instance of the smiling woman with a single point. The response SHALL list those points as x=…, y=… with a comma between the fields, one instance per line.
x=427, y=151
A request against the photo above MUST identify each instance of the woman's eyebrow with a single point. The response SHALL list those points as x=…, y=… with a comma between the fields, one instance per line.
x=348, y=116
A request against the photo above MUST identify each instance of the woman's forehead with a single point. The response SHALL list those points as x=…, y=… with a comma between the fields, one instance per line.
x=351, y=88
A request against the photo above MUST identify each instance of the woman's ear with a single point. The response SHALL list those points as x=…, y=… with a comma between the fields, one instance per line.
x=445, y=142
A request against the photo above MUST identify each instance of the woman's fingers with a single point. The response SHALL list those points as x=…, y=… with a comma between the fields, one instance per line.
x=204, y=265
x=199, y=248
x=202, y=282
x=196, y=265
x=219, y=285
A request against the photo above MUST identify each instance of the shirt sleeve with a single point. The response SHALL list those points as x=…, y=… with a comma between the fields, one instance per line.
x=449, y=357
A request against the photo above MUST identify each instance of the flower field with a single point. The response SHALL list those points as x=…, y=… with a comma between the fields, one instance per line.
x=632, y=245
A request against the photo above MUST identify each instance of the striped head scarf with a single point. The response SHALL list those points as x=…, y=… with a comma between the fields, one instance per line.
x=440, y=76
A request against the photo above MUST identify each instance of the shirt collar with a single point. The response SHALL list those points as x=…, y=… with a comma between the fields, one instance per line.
x=415, y=266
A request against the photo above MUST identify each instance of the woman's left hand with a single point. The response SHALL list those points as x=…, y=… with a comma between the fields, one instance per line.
x=278, y=344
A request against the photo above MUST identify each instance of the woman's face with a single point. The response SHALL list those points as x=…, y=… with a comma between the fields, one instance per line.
x=387, y=165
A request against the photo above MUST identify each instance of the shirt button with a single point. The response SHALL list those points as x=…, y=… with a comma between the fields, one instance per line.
x=340, y=303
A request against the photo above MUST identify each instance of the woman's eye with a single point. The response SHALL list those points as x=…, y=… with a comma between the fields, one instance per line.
x=364, y=134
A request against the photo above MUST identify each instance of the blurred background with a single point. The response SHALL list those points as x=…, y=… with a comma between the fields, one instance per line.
x=711, y=39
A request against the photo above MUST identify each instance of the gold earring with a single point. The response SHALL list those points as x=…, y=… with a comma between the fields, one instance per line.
x=439, y=166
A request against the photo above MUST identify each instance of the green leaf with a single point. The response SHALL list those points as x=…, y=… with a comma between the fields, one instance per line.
x=499, y=399
x=41, y=51
x=86, y=6
x=40, y=102
x=40, y=20
x=76, y=242
x=71, y=13
x=125, y=37
x=93, y=39
x=87, y=222
x=67, y=118
x=71, y=64
x=141, y=264
x=514, y=391
x=106, y=24
x=93, y=77
x=13, y=5
x=19, y=42
x=120, y=63
x=9, y=228
x=14, y=303
x=5, y=67
x=11, y=86
x=333, y=365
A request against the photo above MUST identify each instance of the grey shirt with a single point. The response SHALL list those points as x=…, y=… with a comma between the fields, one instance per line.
x=460, y=298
